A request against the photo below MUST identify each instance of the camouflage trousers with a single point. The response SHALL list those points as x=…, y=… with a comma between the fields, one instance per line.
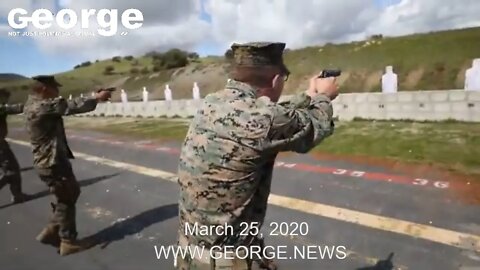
x=207, y=262
x=63, y=185
x=9, y=169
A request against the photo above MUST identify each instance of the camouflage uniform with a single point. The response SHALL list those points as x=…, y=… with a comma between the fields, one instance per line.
x=9, y=168
x=51, y=154
x=227, y=158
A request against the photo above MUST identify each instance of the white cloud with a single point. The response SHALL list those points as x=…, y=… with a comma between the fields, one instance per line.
x=411, y=16
x=320, y=21
x=4, y=29
x=166, y=24
x=6, y=6
x=302, y=23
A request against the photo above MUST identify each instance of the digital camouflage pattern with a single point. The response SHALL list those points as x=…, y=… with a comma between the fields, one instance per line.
x=9, y=168
x=5, y=110
x=258, y=53
x=46, y=128
x=227, y=158
x=51, y=155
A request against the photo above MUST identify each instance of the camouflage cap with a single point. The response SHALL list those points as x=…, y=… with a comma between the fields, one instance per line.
x=47, y=80
x=258, y=54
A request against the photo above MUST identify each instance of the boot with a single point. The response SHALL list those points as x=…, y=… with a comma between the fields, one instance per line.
x=49, y=236
x=70, y=246
x=20, y=198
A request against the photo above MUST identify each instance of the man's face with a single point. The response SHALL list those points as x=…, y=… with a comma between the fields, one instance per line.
x=50, y=91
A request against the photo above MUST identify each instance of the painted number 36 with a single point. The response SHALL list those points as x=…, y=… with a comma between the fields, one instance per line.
x=424, y=182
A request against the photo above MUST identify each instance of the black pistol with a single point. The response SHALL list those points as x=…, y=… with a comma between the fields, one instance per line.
x=110, y=89
x=326, y=73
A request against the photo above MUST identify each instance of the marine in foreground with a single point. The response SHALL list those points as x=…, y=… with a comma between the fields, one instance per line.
x=228, y=155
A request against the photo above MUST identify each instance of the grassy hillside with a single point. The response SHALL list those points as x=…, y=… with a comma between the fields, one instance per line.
x=8, y=77
x=423, y=62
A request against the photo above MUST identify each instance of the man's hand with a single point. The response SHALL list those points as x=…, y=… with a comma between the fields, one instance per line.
x=103, y=95
x=325, y=86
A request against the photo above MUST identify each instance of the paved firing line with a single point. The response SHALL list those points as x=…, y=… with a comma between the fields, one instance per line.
x=359, y=174
x=443, y=236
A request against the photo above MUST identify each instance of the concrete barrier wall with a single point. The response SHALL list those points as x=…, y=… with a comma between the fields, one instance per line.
x=420, y=105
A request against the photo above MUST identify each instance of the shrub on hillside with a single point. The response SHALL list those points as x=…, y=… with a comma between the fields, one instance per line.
x=144, y=70
x=135, y=63
x=117, y=59
x=157, y=68
x=152, y=54
x=376, y=37
x=193, y=55
x=174, y=58
x=440, y=67
x=134, y=71
x=108, y=70
x=84, y=64
x=128, y=58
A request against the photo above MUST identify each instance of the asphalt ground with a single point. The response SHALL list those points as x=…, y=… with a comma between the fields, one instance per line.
x=368, y=211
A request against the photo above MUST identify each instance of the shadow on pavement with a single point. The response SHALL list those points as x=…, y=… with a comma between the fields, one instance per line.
x=381, y=265
x=82, y=183
x=133, y=225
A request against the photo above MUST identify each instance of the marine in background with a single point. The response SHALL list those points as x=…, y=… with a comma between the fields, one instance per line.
x=228, y=155
x=9, y=168
x=44, y=111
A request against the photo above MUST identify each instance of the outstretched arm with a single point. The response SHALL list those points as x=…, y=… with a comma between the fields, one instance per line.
x=80, y=105
x=301, y=125
x=60, y=106
x=11, y=108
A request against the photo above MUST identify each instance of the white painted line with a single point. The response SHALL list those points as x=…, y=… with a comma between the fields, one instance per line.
x=438, y=235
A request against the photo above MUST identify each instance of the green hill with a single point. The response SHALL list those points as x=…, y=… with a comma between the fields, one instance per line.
x=8, y=77
x=430, y=61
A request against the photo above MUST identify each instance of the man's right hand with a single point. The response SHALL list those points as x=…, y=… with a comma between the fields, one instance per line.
x=325, y=86
x=103, y=95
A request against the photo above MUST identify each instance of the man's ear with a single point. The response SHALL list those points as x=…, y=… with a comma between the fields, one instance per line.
x=276, y=81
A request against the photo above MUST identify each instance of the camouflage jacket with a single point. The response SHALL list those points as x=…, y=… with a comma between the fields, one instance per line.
x=45, y=126
x=227, y=158
x=5, y=110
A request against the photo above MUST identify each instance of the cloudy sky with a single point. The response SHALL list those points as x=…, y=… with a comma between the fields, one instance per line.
x=210, y=26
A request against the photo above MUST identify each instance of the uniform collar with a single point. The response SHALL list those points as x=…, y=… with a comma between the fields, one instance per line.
x=242, y=87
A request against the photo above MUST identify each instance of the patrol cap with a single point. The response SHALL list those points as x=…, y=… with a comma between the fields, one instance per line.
x=254, y=54
x=47, y=80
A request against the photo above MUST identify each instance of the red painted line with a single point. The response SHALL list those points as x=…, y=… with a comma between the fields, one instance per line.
x=358, y=174
x=372, y=176
x=310, y=168
x=388, y=177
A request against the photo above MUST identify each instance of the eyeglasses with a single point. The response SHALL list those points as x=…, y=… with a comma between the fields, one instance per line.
x=285, y=76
